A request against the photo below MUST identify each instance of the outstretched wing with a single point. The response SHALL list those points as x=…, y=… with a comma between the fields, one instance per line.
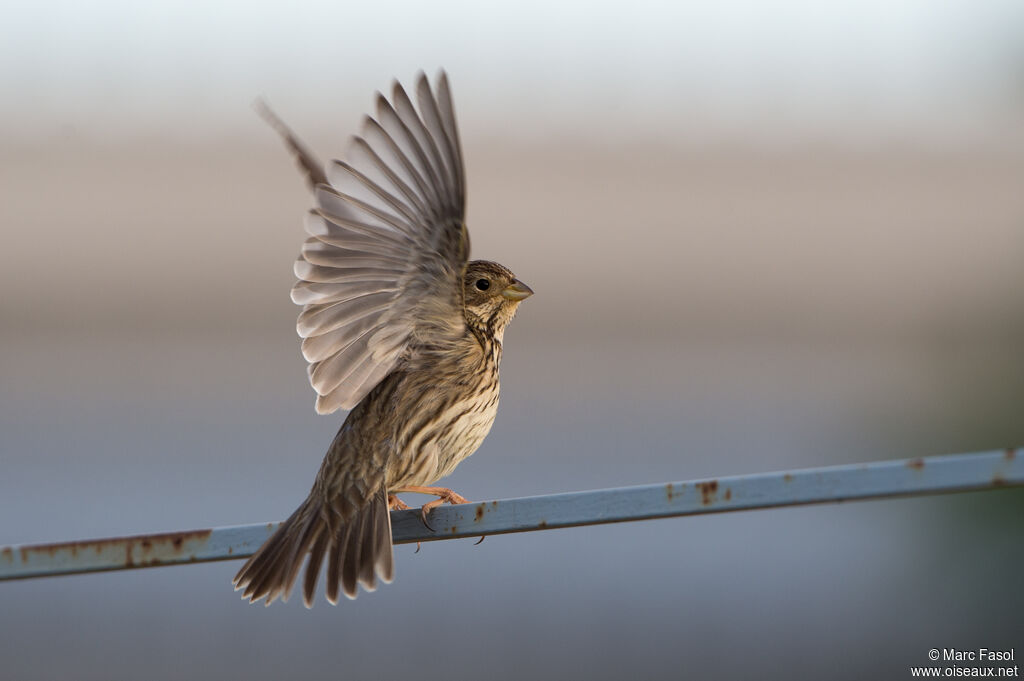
x=382, y=269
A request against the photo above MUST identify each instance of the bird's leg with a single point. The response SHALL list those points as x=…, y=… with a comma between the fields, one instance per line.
x=394, y=503
x=443, y=494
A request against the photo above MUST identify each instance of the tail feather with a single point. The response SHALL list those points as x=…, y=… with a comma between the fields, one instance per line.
x=334, y=560
x=367, y=567
x=262, y=571
x=385, y=558
x=270, y=576
x=358, y=550
x=350, y=564
x=314, y=530
x=316, y=557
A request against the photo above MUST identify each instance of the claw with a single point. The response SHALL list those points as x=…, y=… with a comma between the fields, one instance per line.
x=423, y=517
x=427, y=508
x=481, y=540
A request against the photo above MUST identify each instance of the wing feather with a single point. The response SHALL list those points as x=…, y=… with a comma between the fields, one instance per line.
x=314, y=253
x=349, y=181
x=331, y=230
x=447, y=113
x=312, y=292
x=424, y=142
x=318, y=319
x=318, y=348
x=363, y=155
x=325, y=275
x=382, y=269
x=404, y=144
x=447, y=154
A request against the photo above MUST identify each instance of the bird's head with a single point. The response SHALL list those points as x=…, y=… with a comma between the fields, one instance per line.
x=492, y=295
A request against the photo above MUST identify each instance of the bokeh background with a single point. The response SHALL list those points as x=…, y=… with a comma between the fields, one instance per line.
x=762, y=236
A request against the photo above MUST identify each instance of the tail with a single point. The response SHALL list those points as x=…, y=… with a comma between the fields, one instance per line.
x=358, y=550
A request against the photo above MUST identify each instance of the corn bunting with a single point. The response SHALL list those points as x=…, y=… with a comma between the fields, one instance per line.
x=398, y=327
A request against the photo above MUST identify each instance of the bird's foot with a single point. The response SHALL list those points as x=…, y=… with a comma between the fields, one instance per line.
x=443, y=495
x=396, y=504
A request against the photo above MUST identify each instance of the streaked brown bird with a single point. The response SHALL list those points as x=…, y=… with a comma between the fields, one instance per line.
x=397, y=326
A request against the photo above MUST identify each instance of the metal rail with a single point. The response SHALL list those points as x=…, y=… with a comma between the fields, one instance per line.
x=910, y=477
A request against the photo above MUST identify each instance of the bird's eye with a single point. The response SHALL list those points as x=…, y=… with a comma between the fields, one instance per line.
x=483, y=284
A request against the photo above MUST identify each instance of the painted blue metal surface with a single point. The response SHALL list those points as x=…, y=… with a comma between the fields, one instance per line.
x=910, y=477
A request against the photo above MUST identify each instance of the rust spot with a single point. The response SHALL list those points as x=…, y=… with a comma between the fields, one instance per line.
x=164, y=545
x=542, y=524
x=916, y=464
x=708, y=490
x=479, y=513
x=728, y=494
x=998, y=480
x=8, y=554
x=1010, y=454
x=787, y=478
x=455, y=529
x=669, y=492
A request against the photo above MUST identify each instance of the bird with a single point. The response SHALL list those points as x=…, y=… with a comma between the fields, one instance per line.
x=399, y=328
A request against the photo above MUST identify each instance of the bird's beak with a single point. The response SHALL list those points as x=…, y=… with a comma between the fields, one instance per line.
x=517, y=290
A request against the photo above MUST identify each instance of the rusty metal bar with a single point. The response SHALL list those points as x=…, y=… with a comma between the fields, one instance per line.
x=911, y=477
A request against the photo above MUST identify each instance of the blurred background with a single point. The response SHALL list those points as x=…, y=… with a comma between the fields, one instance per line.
x=762, y=236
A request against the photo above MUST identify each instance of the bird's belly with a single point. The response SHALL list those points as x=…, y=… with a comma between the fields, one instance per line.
x=453, y=437
x=453, y=449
